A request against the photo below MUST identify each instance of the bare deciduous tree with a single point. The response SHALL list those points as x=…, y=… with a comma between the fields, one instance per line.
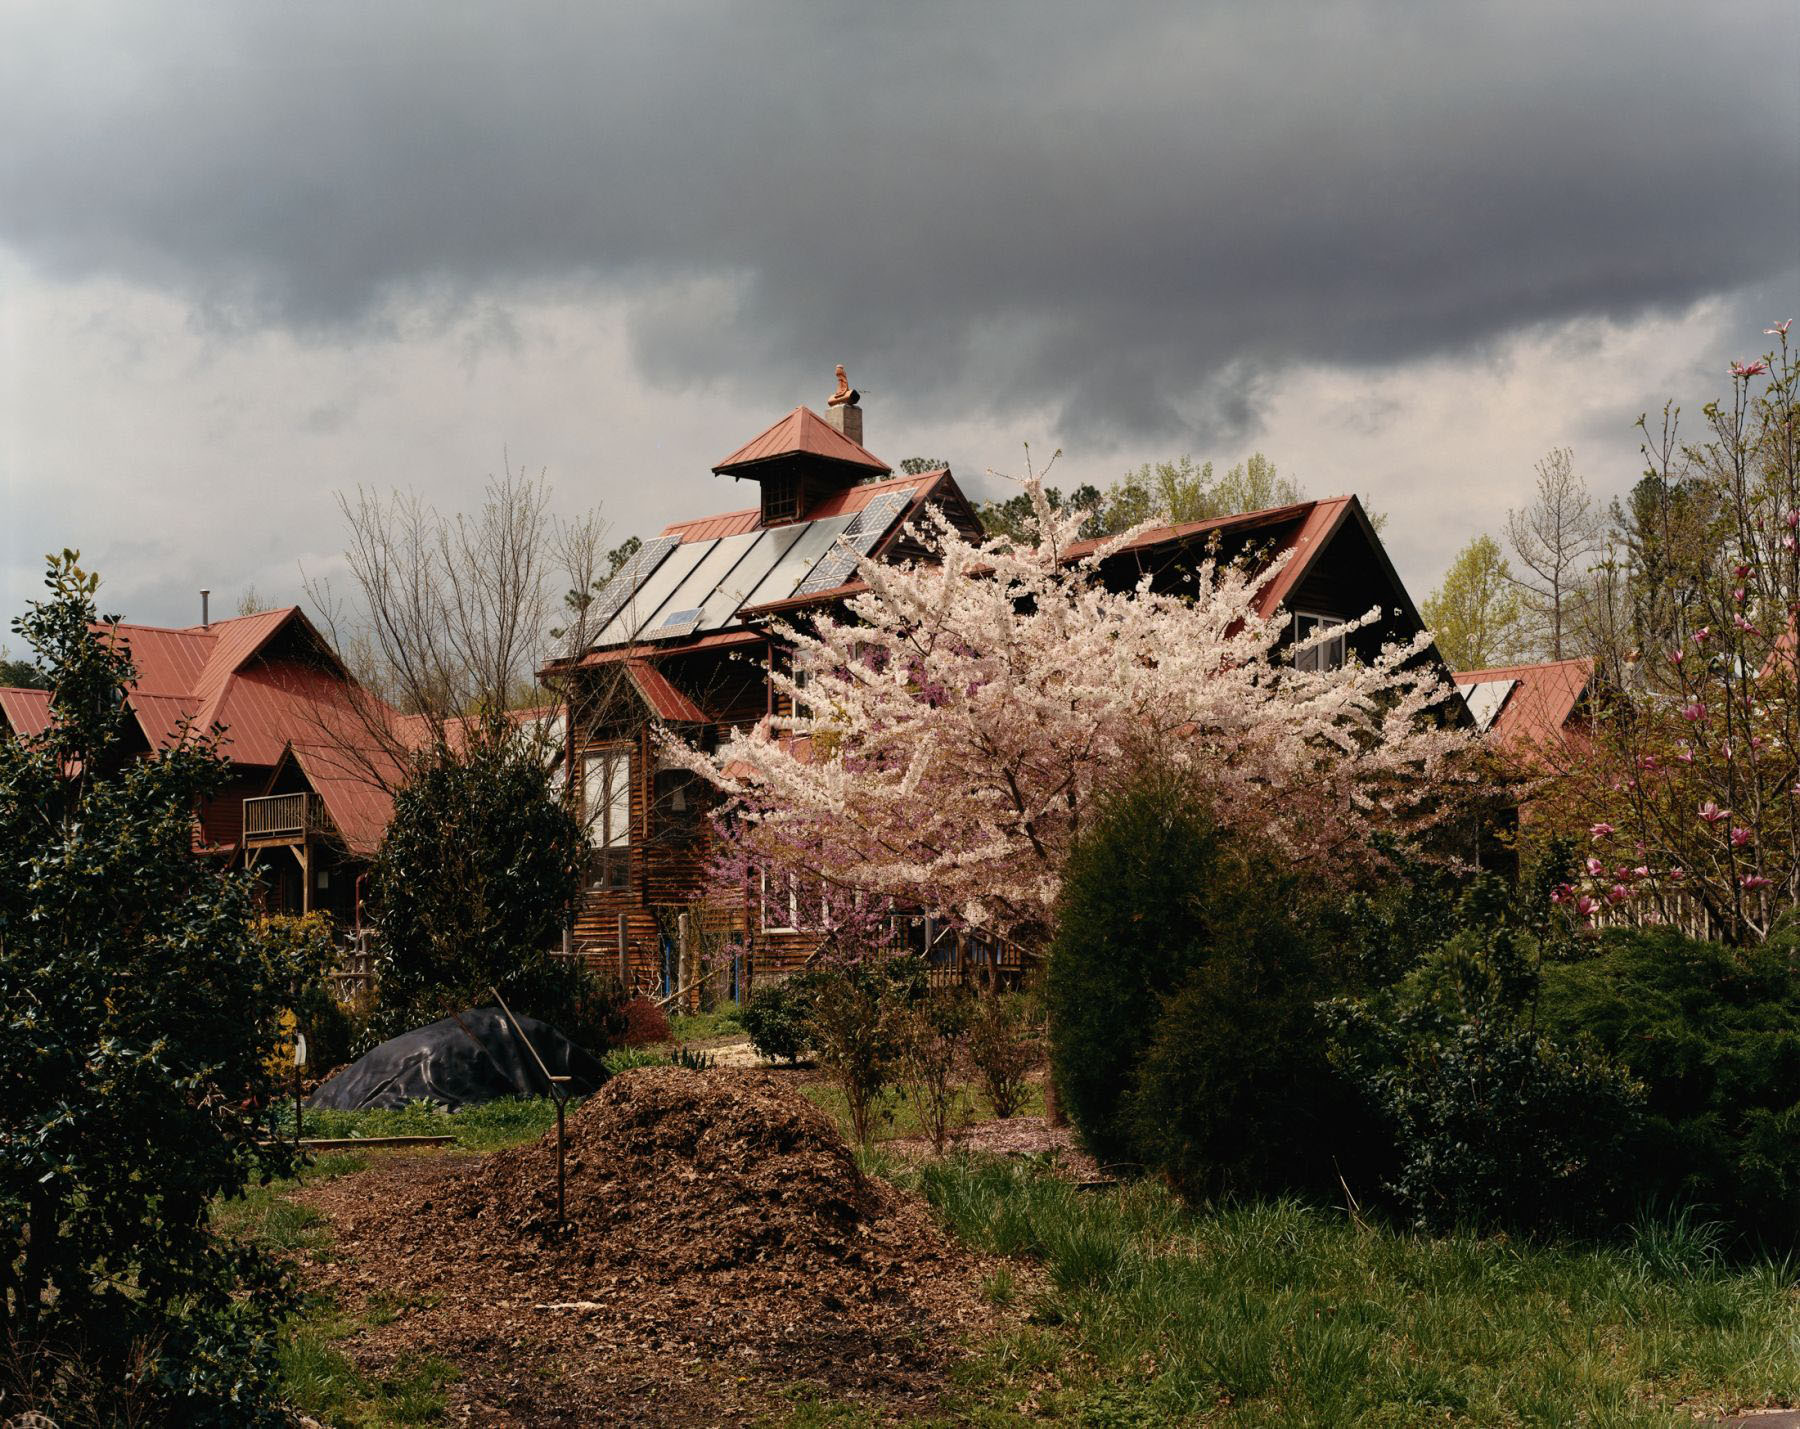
x=449, y=618
x=1552, y=538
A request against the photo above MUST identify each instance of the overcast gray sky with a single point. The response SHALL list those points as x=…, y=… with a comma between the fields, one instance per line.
x=251, y=255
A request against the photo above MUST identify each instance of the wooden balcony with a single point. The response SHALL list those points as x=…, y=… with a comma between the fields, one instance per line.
x=283, y=819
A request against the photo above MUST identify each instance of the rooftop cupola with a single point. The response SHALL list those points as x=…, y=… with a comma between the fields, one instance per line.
x=804, y=456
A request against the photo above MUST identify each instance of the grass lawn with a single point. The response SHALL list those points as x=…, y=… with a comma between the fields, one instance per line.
x=1282, y=1314
x=898, y=1117
x=486, y=1127
x=721, y=1021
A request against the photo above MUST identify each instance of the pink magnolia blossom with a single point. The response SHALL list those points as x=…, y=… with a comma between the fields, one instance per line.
x=1740, y=837
x=1777, y=329
x=1712, y=813
x=1686, y=756
x=1561, y=894
x=1693, y=712
x=1749, y=369
x=1702, y=635
x=1641, y=871
x=1618, y=893
x=1587, y=906
x=1600, y=831
x=1677, y=874
x=1740, y=571
x=1595, y=868
x=1754, y=881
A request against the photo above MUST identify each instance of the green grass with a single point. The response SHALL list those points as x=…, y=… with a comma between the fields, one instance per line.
x=721, y=1021
x=897, y=1116
x=484, y=1127
x=1279, y=1313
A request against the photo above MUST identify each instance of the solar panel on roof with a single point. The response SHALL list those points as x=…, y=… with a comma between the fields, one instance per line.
x=653, y=592
x=674, y=624
x=866, y=528
x=630, y=576
x=812, y=540
x=1485, y=700
x=724, y=603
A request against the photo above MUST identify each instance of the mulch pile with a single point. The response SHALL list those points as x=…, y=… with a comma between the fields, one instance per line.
x=720, y=1241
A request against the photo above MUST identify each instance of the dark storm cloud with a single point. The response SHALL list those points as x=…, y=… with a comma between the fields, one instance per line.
x=1127, y=213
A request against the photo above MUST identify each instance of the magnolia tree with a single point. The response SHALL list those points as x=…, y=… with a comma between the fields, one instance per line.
x=952, y=729
x=1689, y=788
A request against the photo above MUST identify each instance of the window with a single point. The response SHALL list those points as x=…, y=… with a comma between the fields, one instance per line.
x=676, y=806
x=780, y=903
x=788, y=908
x=781, y=499
x=606, y=798
x=1328, y=654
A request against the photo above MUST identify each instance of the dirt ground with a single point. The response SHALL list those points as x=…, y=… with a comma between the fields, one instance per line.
x=721, y=1248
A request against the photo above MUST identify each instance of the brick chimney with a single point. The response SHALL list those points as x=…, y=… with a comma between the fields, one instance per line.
x=844, y=411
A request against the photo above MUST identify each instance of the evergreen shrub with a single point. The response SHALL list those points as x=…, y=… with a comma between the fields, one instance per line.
x=1182, y=990
x=1713, y=1033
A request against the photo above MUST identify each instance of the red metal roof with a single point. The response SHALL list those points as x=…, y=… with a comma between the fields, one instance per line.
x=714, y=528
x=25, y=711
x=356, y=788
x=1537, y=709
x=837, y=503
x=803, y=432
x=663, y=698
x=1313, y=523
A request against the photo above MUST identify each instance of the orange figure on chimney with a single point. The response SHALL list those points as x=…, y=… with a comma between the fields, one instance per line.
x=846, y=395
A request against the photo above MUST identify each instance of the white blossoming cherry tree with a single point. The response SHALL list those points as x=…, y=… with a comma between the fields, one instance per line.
x=952, y=728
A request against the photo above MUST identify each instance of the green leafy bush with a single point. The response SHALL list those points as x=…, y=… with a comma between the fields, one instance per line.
x=137, y=1013
x=1182, y=986
x=932, y=1037
x=858, y=1020
x=1713, y=1033
x=777, y=1018
x=1492, y=1123
x=335, y=1031
x=473, y=883
x=1003, y=1053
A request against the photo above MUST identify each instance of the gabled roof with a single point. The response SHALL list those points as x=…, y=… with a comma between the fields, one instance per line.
x=1536, y=708
x=803, y=432
x=25, y=712
x=356, y=788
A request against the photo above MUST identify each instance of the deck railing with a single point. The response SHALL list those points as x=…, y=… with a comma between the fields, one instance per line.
x=280, y=816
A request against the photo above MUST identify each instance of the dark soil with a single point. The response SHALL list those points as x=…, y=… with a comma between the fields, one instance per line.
x=720, y=1246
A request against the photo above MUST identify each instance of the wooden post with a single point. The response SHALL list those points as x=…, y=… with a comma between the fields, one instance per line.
x=687, y=962
x=624, y=956
x=959, y=956
x=306, y=873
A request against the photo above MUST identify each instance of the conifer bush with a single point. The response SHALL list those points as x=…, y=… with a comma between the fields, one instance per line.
x=1713, y=1033
x=1182, y=989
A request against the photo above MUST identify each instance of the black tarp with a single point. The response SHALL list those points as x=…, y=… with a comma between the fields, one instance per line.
x=474, y=1056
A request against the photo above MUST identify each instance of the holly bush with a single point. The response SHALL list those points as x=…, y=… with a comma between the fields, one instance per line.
x=473, y=884
x=136, y=1009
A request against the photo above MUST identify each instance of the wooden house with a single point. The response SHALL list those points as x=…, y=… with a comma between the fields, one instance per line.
x=307, y=796
x=683, y=640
